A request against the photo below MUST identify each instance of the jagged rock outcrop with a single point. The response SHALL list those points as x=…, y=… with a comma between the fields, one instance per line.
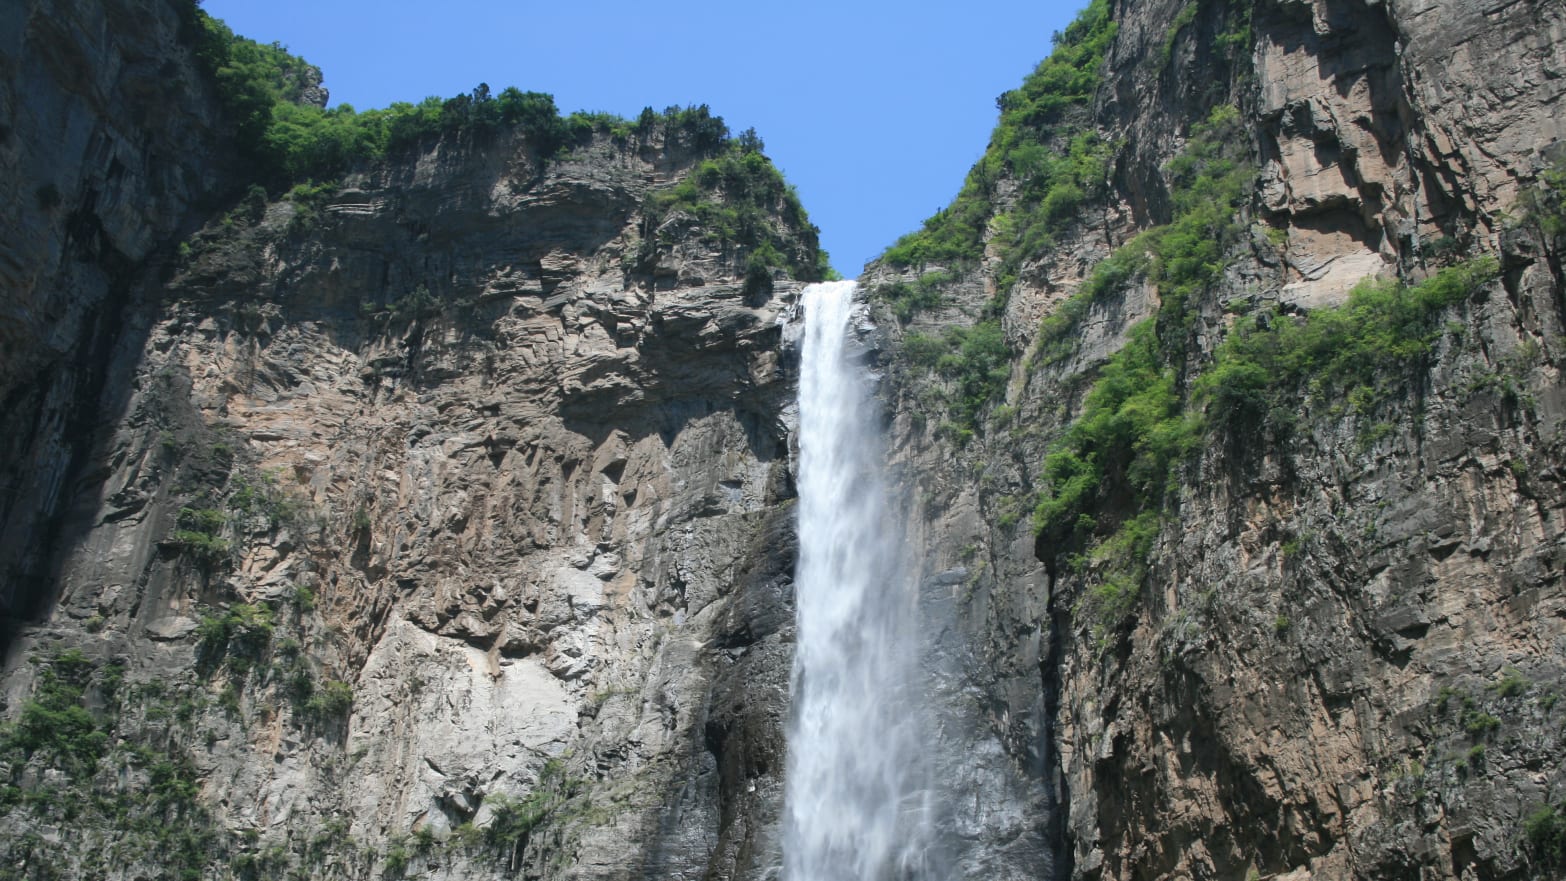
x=1340, y=654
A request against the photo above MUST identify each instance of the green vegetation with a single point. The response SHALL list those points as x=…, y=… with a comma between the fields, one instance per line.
x=69, y=724
x=1181, y=21
x=288, y=141
x=1056, y=340
x=1479, y=723
x=260, y=495
x=735, y=197
x=513, y=820
x=1108, y=476
x=1355, y=353
x=197, y=535
x=1209, y=180
x=1475, y=756
x=1108, y=479
x=260, y=87
x=974, y=360
x=1055, y=180
x=907, y=300
x=1183, y=257
x=304, y=599
x=1544, y=206
x=1545, y=830
x=54, y=720
x=309, y=200
x=242, y=635
x=1511, y=684
x=331, y=702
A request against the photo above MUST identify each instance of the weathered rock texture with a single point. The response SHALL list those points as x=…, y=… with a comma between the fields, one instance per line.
x=108, y=141
x=1345, y=659
x=438, y=526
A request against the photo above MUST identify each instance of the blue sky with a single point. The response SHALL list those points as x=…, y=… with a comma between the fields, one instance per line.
x=874, y=109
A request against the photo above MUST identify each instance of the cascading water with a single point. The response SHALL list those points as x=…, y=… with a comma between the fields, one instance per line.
x=856, y=796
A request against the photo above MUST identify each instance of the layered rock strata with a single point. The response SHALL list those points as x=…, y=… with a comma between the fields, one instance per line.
x=437, y=524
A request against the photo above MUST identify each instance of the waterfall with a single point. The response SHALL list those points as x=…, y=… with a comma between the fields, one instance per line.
x=855, y=798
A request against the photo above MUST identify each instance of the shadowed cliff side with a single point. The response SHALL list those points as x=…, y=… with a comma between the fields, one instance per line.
x=112, y=145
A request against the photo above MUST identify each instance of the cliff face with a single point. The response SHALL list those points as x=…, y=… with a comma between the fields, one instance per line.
x=109, y=144
x=1297, y=623
x=435, y=523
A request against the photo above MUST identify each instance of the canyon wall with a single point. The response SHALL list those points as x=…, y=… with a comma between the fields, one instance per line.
x=436, y=522
x=1336, y=649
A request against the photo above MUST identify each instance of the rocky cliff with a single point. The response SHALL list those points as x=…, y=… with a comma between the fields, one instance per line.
x=111, y=146
x=1228, y=398
x=434, y=522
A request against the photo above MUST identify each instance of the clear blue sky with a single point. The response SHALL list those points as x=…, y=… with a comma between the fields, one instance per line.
x=875, y=110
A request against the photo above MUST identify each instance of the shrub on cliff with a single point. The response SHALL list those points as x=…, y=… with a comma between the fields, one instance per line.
x=284, y=138
x=739, y=198
x=1030, y=119
x=1346, y=354
x=1545, y=830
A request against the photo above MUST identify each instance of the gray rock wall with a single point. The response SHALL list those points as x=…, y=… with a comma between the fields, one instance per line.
x=1343, y=662
x=440, y=533
x=108, y=140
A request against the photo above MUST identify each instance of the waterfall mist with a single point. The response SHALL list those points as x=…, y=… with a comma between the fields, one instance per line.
x=857, y=794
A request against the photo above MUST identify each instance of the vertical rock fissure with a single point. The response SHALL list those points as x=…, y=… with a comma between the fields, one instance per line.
x=857, y=801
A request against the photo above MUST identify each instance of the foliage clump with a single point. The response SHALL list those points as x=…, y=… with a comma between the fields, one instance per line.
x=1353, y=353
x=198, y=536
x=55, y=721
x=242, y=634
x=513, y=821
x=1545, y=830
x=1544, y=206
x=910, y=298
x=738, y=198
x=1053, y=183
x=332, y=701
x=975, y=360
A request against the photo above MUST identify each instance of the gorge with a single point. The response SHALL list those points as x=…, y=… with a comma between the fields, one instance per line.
x=436, y=492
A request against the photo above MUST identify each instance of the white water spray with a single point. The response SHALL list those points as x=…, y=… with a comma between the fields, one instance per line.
x=855, y=801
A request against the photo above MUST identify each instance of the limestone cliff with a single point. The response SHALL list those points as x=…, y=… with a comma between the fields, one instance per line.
x=1295, y=606
x=436, y=522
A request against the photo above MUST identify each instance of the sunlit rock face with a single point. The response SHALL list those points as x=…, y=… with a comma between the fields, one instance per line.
x=488, y=474
x=1339, y=661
